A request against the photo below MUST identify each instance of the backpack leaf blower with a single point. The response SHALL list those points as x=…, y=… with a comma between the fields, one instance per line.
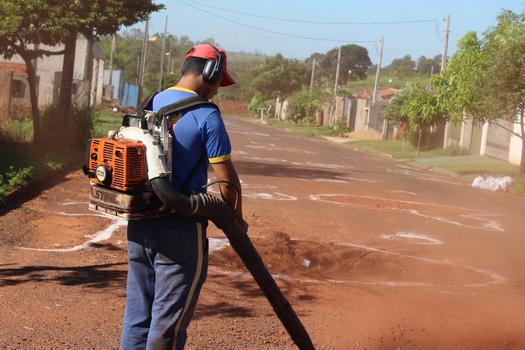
x=130, y=176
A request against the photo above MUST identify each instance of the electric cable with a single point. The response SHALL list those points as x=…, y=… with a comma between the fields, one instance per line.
x=274, y=31
x=229, y=183
x=297, y=20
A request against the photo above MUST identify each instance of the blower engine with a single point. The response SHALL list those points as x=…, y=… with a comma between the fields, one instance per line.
x=119, y=166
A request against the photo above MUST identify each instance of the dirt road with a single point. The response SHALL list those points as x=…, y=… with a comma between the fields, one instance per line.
x=372, y=253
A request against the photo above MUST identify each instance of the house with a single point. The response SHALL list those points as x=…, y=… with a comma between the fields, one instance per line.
x=87, y=79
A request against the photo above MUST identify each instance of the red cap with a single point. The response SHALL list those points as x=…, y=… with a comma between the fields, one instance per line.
x=206, y=51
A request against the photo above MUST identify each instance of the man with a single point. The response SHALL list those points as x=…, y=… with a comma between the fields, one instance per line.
x=168, y=257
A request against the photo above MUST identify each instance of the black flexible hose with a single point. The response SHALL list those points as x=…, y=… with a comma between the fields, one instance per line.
x=224, y=218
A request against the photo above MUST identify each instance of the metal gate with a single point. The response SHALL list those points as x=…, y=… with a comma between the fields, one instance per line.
x=498, y=139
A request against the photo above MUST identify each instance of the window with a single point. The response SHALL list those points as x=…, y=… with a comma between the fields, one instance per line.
x=19, y=88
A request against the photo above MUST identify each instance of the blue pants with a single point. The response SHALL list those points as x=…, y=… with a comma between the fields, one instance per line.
x=167, y=265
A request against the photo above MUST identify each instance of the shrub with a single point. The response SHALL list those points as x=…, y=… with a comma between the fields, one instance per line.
x=303, y=106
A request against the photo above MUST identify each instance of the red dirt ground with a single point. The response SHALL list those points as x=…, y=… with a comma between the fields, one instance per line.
x=371, y=253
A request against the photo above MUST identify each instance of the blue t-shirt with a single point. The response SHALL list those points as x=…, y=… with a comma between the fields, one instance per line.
x=199, y=131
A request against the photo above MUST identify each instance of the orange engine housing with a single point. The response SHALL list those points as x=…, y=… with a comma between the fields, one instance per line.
x=125, y=160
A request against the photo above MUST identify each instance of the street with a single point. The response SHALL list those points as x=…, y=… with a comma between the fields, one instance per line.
x=371, y=252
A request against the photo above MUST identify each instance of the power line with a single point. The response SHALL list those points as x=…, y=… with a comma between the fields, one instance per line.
x=274, y=31
x=297, y=20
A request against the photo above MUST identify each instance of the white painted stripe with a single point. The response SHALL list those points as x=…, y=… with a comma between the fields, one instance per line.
x=198, y=272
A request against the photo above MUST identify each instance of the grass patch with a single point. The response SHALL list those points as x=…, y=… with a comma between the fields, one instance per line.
x=21, y=161
x=103, y=121
x=395, y=149
x=469, y=165
x=305, y=130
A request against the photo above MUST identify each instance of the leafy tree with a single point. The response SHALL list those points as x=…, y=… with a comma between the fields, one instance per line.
x=278, y=76
x=303, y=105
x=27, y=24
x=428, y=65
x=403, y=66
x=421, y=109
x=353, y=57
x=486, y=78
x=93, y=19
x=505, y=72
x=23, y=23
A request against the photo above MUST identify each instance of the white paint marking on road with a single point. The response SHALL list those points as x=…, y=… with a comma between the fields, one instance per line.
x=405, y=192
x=216, y=244
x=319, y=179
x=249, y=133
x=356, y=179
x=73, y=203
x=96, y=237
x=486, y=224
x=415, y=236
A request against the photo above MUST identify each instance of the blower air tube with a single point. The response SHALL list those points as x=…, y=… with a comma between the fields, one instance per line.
x=224, y=218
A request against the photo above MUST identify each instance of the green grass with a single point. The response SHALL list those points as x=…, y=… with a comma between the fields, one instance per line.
x=103, y=121
x=308, y=131
x=468, y=165
x=21, y=161
x=396, y=149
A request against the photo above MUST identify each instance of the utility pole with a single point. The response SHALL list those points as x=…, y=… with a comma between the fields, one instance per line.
x=143, y=61
x=169, y=58
x=312, y=77
x=113, y=42
x=376, y=82
x=163, y=53
x=443, y=67
x=378, y=70
x=337, y=71
x=445, y=44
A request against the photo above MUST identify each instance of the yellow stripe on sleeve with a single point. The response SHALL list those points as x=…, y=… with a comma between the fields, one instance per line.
x=220, y=159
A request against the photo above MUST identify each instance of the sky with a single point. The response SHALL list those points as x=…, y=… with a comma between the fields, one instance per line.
x=297, y=29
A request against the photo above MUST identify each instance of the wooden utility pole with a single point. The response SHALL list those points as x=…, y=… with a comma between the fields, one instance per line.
x=378, y=70
x=312, y=77
x=442, y=70
x=163, y=53
x=113, y=42
x=337, y=71
x=445, y=44
x=143, y=61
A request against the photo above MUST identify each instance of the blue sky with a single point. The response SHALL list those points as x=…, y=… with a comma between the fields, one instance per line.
x=235, y=31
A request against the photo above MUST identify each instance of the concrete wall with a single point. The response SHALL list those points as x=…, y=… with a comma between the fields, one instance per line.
x=47, y=67
x=515, y=146
x=5, y=94
x=361, y=116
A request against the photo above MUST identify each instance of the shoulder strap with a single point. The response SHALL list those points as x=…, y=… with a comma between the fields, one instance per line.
x=183, y=104
x=174, y=111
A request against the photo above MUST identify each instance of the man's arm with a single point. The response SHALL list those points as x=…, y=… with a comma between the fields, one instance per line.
x=225, y=171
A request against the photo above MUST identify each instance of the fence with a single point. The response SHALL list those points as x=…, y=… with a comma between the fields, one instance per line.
x=128, y=95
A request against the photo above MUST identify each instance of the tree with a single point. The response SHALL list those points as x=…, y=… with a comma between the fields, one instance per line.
x=278, y=76
x=421, y=109
x=403, y=66
x=23, y=24
x=353, y=57
x=486, y=78
x=27, y=24
x=428, y=65
x=92, y=19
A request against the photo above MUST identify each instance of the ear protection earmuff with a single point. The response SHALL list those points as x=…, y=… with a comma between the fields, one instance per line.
x=212, y=71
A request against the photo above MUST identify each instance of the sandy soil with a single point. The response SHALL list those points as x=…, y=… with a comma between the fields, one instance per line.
x=372, y=254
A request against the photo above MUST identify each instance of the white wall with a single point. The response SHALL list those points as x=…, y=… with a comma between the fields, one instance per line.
x=515, y=145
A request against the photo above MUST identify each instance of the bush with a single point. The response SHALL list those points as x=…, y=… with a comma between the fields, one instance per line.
x=12, y=179
x=256, y=103
x=20, y=129
x=303, y=106
x=73, y=129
